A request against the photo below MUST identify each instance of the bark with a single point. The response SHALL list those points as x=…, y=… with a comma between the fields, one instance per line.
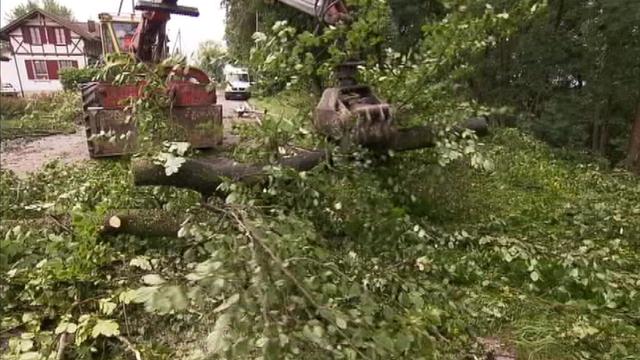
x=421, y=137
x=633, y=155
x=205, y=176
x=142, y=222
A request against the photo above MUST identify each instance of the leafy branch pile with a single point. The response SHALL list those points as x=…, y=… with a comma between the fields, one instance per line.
x=426, y=254
x=401, y=261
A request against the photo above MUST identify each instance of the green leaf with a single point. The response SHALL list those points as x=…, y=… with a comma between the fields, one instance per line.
x=141, y=262
x=107, y=328
x=170, y=162
x=179, y=148
x=153, y=279
x=106, y=306
x=32, y=355
x=66, y=327
x=228, y=303
x=128, y=296
x=217, y=341
x=535, y=276
x=342, y=323
x=145, y=294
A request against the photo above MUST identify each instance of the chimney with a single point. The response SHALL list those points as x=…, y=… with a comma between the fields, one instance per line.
x=91, y=26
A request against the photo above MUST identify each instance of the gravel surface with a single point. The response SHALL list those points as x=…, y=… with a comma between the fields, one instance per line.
x=24, y=156
x=27, y=155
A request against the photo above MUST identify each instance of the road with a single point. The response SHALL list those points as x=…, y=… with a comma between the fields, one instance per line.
x=24, y=156
x=229, y=106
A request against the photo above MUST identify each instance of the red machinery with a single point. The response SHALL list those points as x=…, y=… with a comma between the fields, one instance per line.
x=109, y=129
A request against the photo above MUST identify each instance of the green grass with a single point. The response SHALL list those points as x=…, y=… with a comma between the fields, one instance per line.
x=283, y=105
x=34, y=127
x=39, y=116
x=580, y=224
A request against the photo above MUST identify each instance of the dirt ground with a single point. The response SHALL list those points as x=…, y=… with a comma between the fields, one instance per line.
x=27, y=155
x=24, y=156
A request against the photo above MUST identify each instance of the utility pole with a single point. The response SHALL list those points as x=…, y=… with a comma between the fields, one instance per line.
x=177, y=47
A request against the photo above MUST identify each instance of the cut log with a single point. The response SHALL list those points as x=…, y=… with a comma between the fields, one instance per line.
x=142, y=222
x=205, y=176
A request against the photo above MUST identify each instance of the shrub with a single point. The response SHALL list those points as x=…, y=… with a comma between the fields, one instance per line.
x=72, y=77
x=16, y=107
x=41, y=115
x=12, y=107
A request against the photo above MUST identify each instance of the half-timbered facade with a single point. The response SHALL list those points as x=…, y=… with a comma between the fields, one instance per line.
x=40, y=45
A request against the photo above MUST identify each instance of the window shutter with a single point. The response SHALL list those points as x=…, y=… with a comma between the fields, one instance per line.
x=51, y=35
x=43, y=34
x=29, y=65
x=26, y=35
x=67, y=36
x=52, y=69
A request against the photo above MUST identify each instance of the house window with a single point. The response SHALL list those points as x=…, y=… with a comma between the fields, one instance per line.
x=36, y=39
x=61, y=39
x=40, y=70
x=65, y=64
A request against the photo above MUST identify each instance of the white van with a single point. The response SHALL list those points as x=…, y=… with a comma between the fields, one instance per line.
x=238, y=84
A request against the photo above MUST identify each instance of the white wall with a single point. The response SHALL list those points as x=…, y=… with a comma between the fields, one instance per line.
x=8, y=73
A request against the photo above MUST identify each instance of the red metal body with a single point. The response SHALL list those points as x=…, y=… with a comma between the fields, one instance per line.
x=184, y=93
x=113, y=97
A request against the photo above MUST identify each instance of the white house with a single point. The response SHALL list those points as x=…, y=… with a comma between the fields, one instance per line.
x=39, y=44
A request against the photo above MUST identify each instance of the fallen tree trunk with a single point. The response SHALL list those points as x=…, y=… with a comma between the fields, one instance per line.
x=205, y=176
x=420, y=137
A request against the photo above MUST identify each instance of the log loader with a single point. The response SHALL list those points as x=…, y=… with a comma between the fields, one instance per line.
x=110, y=130
x=349, y=109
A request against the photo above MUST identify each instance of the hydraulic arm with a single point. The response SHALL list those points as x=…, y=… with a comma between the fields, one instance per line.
x=150, y=39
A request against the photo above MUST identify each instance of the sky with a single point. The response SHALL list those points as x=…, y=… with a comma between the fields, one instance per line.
x=208, y=26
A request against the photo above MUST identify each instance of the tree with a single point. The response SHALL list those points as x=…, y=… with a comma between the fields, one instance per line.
x=408, y=26
x=245, y=17
x=572, y=73
x=51, y=6
x=211, y=57
x=633, y=155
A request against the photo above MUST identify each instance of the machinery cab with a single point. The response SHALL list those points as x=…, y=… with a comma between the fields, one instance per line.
x=118, y=32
